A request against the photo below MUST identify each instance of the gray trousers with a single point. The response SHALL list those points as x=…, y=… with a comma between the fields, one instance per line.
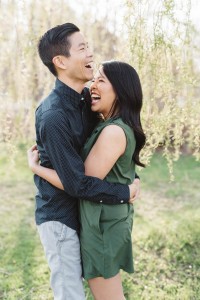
x=62, y=250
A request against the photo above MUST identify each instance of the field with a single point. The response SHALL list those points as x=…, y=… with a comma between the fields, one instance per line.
x=166, y=234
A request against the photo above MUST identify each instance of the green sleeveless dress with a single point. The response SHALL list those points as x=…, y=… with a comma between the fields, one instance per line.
x=105, y=234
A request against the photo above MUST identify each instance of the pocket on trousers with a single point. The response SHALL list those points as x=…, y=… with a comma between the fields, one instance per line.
x=59, y=230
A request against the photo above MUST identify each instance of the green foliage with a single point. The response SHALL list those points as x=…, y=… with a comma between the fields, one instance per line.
x=162, y=50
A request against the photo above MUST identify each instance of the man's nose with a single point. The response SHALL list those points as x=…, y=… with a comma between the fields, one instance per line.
x=89, y=52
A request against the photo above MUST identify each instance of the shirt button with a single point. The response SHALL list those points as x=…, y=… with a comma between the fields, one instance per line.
x=122, y=201
x=101, y=201
x=82, y=98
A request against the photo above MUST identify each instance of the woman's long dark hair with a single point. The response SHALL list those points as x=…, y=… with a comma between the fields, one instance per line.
x=126, y=84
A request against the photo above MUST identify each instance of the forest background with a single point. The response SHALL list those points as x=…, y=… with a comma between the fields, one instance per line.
x=161, y=40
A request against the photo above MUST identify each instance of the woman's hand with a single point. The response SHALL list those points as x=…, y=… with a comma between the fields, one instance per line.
x=33, y=157
x=47, y=174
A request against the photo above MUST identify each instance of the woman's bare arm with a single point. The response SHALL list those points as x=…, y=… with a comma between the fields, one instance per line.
x=109, y=146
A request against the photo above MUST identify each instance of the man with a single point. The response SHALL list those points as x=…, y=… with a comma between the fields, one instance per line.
x=63, y=122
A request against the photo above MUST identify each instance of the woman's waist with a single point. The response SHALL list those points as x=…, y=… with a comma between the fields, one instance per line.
x=105, y=211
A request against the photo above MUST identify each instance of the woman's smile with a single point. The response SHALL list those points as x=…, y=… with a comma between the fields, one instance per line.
x=95, y=98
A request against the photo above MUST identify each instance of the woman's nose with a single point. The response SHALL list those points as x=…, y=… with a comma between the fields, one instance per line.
x=93, y=86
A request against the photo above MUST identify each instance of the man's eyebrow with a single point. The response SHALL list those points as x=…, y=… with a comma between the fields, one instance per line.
x=83, y=44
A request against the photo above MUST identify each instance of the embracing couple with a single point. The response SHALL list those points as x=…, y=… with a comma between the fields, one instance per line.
x=88, y=143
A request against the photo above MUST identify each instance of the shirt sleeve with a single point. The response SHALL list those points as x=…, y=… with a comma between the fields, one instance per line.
x=58, y=143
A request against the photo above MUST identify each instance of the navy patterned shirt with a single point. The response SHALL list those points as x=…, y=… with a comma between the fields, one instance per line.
x=63, y=123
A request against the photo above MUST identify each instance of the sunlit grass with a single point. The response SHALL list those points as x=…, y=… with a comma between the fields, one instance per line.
x=165, y=236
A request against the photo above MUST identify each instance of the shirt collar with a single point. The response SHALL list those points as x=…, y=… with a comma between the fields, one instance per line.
x=70, y=95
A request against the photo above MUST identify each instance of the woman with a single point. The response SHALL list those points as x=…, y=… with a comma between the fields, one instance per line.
x=110, y=153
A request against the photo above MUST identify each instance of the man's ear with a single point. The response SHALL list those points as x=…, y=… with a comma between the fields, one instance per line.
x=60, y=62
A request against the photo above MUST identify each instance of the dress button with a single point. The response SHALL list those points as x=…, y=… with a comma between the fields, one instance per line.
x=101, y=201
x=122, y=201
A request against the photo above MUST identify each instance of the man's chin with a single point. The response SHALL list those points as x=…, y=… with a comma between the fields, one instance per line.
x=89, y=78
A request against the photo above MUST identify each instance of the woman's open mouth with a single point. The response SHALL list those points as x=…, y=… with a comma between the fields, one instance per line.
x=95, y=98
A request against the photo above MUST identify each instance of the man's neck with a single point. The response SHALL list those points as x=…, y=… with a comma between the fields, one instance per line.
x=73, y=84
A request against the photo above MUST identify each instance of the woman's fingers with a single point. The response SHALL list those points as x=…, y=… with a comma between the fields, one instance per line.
x=34, y=147
x=33, y=156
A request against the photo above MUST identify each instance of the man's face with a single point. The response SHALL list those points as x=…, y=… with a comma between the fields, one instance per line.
x=79, y=66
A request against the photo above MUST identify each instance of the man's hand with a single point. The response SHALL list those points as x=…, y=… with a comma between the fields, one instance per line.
x=134, y=190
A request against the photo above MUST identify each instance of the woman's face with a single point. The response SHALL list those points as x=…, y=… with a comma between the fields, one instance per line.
x=102, y=93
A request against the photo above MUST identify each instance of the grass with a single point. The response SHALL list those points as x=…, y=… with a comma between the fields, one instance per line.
x=165, y=236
